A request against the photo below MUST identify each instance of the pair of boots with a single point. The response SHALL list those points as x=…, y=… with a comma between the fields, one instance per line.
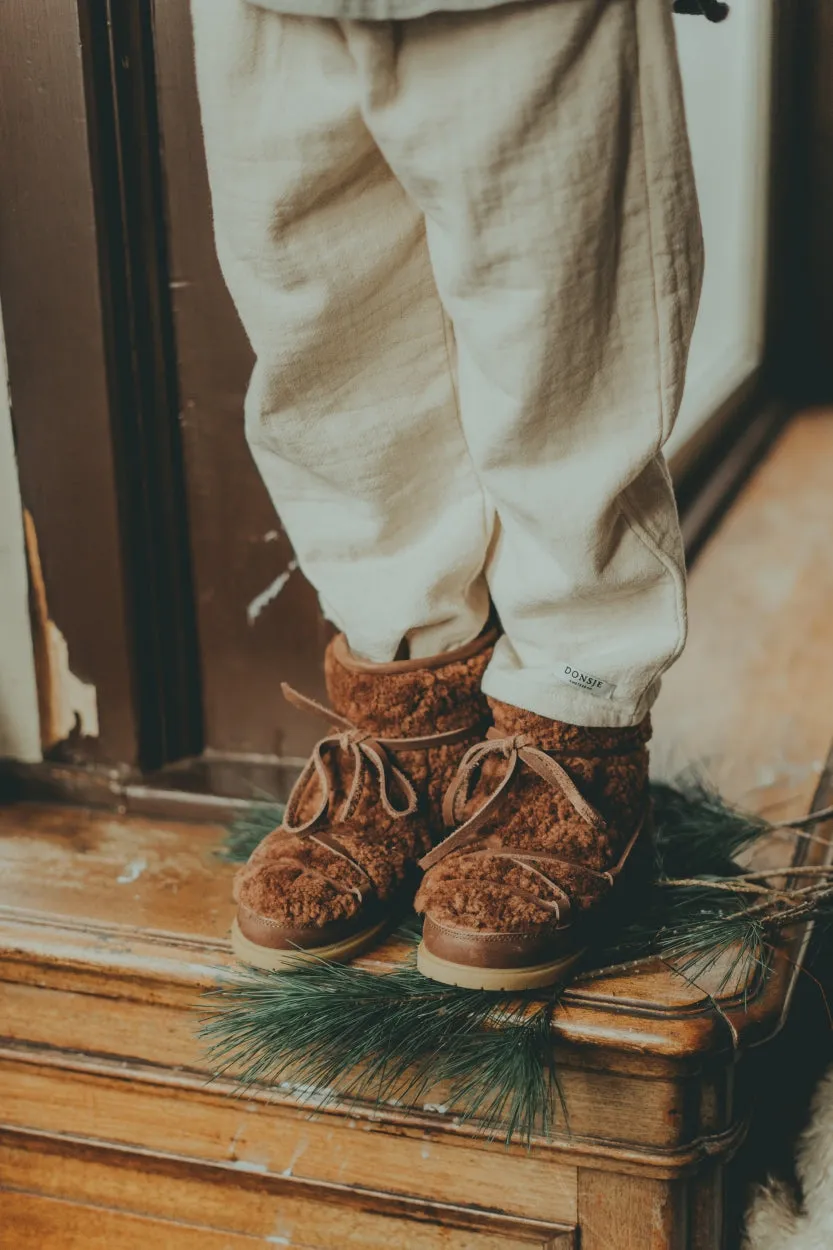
x=520, y=825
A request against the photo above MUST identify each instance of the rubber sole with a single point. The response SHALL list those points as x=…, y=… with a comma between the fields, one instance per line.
x=272, y=959
x=471, y=977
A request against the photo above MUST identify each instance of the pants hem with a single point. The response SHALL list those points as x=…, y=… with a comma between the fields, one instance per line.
x=538, y=693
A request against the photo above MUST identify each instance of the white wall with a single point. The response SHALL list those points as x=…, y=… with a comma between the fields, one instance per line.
x=726, y=72
x=19, y=728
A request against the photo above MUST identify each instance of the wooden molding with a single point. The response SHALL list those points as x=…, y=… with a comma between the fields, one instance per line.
x=213, y=787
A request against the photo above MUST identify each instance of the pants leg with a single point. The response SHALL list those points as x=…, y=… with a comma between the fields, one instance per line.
x=352, y=415
x=545, y=144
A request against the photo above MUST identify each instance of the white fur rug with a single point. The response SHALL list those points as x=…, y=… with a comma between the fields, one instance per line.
x=776, y=1221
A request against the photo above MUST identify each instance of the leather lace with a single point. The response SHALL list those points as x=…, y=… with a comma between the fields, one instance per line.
x=518, y=750
x=369, y=754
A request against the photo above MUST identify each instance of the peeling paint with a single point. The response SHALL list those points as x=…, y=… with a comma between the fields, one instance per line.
x=296, y=1155
x=271, y=592
x=132, y=871
x=232, y=1146
x=65, y=702
x=271, y=536
x=19, y=724
x=309, y=1095
x=75, y=701
x=244, y=1165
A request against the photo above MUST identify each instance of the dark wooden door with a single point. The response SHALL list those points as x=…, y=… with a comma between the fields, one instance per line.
x=249, y=641
x=161, y=553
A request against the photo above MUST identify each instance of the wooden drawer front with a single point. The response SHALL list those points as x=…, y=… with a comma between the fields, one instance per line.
x=264, y=1139
x=67, y=1193
x=648, y=1108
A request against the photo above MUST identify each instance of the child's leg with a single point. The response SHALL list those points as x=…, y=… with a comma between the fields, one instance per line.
x=351, y=415
x=546, y=146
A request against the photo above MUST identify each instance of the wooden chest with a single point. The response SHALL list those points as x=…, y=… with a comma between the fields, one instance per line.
x=112, y=1133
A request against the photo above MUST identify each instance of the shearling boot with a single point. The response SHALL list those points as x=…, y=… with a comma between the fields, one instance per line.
x=367, y=805
x=546, y=817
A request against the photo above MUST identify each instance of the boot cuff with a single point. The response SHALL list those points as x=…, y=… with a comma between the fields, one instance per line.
x=409, y=698
x=574, y=740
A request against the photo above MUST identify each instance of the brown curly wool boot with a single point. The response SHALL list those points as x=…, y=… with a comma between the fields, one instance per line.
x=366, y=806
x=550, y=815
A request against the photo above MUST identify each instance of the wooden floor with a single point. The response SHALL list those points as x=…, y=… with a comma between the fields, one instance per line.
x=751, y=699
x=110, y=927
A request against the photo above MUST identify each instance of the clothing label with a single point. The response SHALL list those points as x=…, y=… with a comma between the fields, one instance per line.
x=584, y=681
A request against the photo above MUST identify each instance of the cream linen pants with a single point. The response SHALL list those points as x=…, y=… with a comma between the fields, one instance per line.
x=466, y=250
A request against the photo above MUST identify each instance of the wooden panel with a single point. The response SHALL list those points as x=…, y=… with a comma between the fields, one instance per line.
x=49, y=285
x=167, y=1113
x=671, y=1131
x=38, y=1222
x=225, y=1200
x=239, y=548
x=706, y=1210
x=629, y=1214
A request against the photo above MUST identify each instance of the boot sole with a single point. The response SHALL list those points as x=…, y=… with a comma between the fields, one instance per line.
x=472, y=977
x=273, y=959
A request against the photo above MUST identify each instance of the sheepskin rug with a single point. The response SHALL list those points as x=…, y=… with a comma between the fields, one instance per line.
x=778, y=1219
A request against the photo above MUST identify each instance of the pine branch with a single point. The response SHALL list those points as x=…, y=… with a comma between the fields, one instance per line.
x=249, y=830
x=335, y=1033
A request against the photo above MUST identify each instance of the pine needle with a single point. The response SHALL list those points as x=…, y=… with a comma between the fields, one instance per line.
x=349, y=1034
x=249, y=830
